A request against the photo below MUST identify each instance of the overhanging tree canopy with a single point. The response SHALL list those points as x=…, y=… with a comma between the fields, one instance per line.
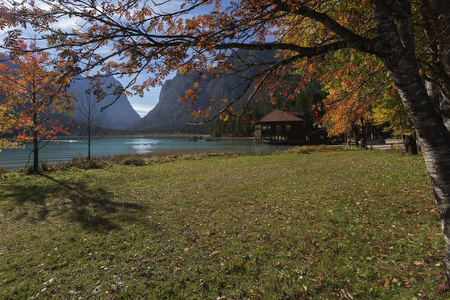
x=410, y=38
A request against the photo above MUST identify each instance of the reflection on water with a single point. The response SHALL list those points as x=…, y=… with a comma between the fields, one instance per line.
x=68, y=148
x=143, y=145
x=69, y=141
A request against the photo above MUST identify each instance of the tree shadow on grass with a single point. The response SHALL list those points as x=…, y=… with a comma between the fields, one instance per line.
x=92, y=207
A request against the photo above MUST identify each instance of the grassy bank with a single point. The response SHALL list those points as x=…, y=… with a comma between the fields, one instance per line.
x=339, y=224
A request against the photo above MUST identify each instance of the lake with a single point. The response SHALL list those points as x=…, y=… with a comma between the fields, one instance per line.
x=68, y=148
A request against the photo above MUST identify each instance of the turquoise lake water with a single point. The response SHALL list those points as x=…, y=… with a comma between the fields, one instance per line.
x=68, y=148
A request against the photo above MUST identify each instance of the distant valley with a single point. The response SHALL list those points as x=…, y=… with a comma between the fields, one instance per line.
x=117, y=115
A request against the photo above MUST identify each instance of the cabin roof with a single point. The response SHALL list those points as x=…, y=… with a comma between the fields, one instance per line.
x=298, y=114
x=279, y=116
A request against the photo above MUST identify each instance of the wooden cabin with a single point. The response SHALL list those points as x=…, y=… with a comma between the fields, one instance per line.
x=281, y=127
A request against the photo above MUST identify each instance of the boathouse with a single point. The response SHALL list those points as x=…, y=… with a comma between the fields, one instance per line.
x=280, y=127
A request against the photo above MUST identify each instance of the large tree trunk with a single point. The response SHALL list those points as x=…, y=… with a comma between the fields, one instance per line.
x=397, y=50
x=434, y=139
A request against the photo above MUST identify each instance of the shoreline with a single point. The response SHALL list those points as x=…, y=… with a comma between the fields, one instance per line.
x=150, y=136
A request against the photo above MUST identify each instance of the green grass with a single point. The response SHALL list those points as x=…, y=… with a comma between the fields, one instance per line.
x=320, y=225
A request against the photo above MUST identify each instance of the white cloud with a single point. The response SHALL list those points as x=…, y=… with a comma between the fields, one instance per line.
x=142, y=109
x=68, y=23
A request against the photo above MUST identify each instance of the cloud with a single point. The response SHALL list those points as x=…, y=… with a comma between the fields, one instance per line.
x=68, y=23
x=142, y=109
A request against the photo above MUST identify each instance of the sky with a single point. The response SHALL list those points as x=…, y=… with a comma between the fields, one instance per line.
x=142, y=105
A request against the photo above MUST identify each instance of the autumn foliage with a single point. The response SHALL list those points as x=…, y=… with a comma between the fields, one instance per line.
x=35, y=95
x=352, y=46
x=329, y=41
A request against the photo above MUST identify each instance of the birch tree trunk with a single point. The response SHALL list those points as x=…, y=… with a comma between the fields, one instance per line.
x=397, y=51
x=435, y=143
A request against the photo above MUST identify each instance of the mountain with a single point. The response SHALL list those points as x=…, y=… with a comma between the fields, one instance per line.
x=118, y=115
x=170, y=115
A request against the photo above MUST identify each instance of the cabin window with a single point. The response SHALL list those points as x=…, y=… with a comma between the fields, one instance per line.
x=288, y=127
x=278, y=129
x=266, y=127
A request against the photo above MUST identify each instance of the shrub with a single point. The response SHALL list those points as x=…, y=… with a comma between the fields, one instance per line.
x=3, y=171
x=44, y=166
x=134, y=161
x=309, y=149
x=84, y=163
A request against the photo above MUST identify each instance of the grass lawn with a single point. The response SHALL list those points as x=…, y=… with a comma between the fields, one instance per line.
x=323, y=225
